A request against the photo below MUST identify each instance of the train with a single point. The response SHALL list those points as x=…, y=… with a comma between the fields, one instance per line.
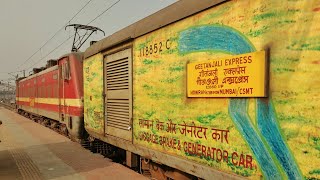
x=213, y=89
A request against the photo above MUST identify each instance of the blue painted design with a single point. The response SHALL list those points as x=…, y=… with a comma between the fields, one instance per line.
x=268, y=127
x=238, y=109
x=222, y=38
x=218, y=38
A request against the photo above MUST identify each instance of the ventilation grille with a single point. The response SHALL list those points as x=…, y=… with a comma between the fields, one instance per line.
x=118, y=75
x=118, y=113
x=117, y=101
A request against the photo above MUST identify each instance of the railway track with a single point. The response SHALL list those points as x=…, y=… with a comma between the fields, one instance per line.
x=8, y=106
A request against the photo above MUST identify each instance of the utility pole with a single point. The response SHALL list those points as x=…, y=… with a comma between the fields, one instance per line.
x=1, y=90
x=8, y=95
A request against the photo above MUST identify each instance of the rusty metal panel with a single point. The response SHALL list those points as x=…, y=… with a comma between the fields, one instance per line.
x=166, y=16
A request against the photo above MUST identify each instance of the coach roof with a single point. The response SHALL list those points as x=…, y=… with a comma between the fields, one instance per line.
x=166, y=16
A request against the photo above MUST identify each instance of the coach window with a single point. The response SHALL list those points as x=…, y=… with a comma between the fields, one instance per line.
x=66, y=70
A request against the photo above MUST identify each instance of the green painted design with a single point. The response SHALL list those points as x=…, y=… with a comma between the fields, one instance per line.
x=171, y=80
x=170, y=51
x=149, y=114
x=290, y=118
x=315, y=171
x=141, y=46
x=207, y=119
x=141, y=71
x=283, y=70
x=155, y=95
x=283, y=101
x=316, y=142
x=176, y=68
x=275, y=15
x=151, y=62
x=259, y=32
x=218, y=13
x=284, y=61
x=312, y=43
x=175, y=96
x=291, y=133
x=285, y=22
x=147, y=87
x=264, y=16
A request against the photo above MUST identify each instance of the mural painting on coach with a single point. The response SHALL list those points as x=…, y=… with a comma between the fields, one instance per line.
x=93, y=93
x=271, y=137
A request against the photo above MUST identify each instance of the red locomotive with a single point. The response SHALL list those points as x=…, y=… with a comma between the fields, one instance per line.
x=54, y=95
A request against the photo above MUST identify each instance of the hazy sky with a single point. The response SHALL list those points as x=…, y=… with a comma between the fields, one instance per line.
x=27, y=24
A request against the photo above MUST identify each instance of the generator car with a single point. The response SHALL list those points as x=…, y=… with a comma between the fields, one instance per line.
x=209, y=89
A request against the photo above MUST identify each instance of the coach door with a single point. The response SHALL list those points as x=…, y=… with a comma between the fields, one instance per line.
x=118, y=90
x=64, y=73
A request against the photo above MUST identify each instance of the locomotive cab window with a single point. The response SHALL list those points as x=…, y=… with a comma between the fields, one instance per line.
x=66, y=73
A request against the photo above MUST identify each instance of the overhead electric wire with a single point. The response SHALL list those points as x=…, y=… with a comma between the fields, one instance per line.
x=50, y=52
x=53, y=36
x=104, y=11
x=73, y=35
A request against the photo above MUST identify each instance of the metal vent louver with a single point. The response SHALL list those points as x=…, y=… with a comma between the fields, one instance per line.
x=118, y=84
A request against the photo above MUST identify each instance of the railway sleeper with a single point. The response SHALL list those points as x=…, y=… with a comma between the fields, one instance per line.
x=107, y=150
x=144, y=166
x=54, y=125
x=154, y=170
